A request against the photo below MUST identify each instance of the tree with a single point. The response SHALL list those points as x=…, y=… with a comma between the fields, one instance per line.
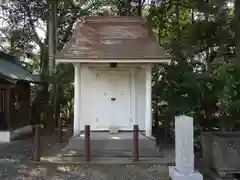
x=20, y=36
x=199, y=35
x=202, y=37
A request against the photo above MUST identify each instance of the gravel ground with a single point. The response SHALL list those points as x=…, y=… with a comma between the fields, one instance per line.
x=21, y=151
x=83, y=172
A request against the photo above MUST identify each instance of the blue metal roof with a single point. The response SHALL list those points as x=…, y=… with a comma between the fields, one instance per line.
x=11, y=68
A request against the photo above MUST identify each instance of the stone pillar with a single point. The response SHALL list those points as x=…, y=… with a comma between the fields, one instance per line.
x=77, y=96
x=184, y=151
x=148, y=101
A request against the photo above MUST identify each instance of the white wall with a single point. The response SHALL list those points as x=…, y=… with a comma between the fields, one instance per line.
x=87, y=77
x=86, y=96
x=140, y=97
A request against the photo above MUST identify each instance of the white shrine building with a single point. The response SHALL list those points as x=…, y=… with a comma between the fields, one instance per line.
x=112, y=58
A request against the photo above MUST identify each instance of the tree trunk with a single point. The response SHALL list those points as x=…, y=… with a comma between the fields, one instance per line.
x=237, y=32
x=128, y=7
x=52, y=43
x=139, y=8
x=51, y=62
x=178, y=19
x=57, y=113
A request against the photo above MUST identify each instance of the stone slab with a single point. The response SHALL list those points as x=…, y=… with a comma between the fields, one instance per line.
x=100, y=140
x=110, y=144
x=184, y=144
x=94, y=135
x=214, y=175
x=114, y=129
x=176, y=175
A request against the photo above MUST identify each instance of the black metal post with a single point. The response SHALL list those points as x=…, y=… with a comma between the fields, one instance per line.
x=87, y=143
x=37, y=143
x=60, y=135
x=135, y=152
x=158, y=135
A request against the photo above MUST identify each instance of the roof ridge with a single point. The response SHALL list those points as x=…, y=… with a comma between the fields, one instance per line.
x=112, y=19
x=10, y=58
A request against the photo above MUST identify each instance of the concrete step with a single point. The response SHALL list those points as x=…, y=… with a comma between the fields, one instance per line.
x=103, y=144
x=111, y=153
x=112, y=144
x=111, y=148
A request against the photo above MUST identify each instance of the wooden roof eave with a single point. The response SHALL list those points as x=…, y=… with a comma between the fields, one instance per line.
x=8, y=79
x=14, y=81
x=112, y=60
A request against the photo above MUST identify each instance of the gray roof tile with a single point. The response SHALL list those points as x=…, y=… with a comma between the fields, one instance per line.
x=16, y=72
x=113, y=37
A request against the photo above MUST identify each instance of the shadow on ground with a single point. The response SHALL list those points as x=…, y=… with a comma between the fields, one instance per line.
x=97, y=172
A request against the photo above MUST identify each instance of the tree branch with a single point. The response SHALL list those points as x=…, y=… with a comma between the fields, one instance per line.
x=3, y=48
x=35, y=36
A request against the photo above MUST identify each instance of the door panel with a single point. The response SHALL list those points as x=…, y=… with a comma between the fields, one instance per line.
x=112, y=99
x=100, y=101
x=121, y=94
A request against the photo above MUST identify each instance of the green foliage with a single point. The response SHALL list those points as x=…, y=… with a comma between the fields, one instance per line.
x=180, y=85
x=24, y=19
x=203, y=79
x=228, y=79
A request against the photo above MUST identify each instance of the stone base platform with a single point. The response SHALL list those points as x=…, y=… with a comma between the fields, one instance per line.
x=104, y=144
x=176, y=175
x=216, y=176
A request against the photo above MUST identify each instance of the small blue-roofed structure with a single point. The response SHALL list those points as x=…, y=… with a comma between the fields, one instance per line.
x=14, y=97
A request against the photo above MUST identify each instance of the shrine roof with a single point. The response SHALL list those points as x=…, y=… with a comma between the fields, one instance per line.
x=12, y=70
x=112, y=37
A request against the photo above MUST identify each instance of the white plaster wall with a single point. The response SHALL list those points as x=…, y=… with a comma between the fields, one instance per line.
x=5, y=136
x=86, y=99
x=140, y=98
x=87, y=77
